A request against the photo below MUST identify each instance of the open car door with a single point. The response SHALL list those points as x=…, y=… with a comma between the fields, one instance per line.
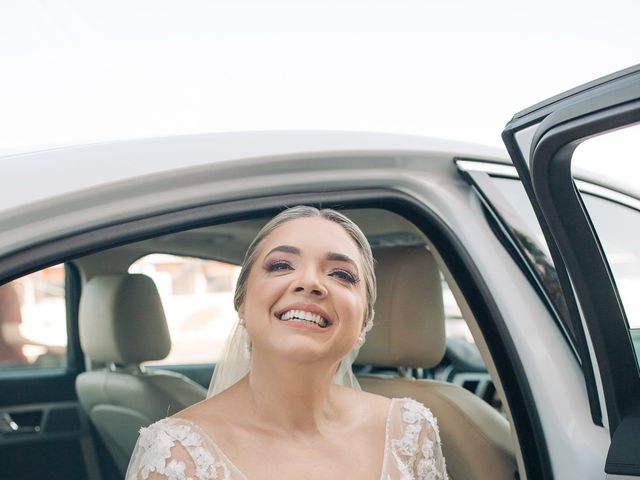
x=601, y=290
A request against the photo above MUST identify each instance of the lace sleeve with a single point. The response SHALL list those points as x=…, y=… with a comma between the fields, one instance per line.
x=418, y=452
x=430, y=463
x=172, y=450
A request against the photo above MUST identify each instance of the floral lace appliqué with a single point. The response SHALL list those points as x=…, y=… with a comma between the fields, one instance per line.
x=417, y=453
x=155, y=444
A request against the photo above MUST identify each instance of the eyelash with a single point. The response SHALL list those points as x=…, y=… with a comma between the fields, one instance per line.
x=344, y=275
x=278, y=265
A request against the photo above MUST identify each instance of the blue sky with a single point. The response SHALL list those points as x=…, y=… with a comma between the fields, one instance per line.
x=78, y=71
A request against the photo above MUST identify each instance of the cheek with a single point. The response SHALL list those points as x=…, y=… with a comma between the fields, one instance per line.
x=357, y=305
x=261, y=294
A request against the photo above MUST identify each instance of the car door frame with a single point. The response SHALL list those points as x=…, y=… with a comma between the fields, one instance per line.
x=541, y=141
x=526, y=419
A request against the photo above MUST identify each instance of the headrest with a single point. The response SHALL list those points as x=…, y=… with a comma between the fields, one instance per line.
x=122, y=320
x=408, y=327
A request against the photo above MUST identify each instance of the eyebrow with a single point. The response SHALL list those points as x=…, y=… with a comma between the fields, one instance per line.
x=331, y=256
x=340, y=257
x=285, y=249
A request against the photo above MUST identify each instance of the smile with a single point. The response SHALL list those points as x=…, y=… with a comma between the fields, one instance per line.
x=304, y=316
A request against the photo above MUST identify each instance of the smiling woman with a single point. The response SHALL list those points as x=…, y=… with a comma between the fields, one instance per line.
x=305, y=299
x=237, y=362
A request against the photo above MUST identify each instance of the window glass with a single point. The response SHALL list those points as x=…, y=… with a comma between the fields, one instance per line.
x=33, y=332
x=613, y=204
x=530, y=240
x=622, y=248
x=197, y=296
x=455, y=325
x=514, y=192
x=463, y=365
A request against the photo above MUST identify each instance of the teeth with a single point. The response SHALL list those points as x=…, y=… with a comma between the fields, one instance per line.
x=301, y=315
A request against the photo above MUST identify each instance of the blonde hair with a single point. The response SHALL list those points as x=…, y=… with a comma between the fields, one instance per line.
x=303, y=211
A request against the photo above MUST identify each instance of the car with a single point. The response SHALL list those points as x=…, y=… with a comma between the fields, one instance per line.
x=507, y=284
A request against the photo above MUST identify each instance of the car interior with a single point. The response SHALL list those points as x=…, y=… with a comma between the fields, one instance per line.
x=136, y=372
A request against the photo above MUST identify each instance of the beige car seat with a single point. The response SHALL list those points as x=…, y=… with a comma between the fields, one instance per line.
x=122, y=324
x=409, y=332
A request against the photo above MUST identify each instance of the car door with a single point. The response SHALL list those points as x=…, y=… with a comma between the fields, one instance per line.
x=545, y=143
x=43, y=432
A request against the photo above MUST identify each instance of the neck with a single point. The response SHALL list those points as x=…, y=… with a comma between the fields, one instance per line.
x=292, y=397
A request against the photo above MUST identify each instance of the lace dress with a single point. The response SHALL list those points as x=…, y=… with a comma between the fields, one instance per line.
x=177, y=449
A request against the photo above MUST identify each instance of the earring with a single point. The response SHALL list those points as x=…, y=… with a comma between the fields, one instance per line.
x=360, y=341
x=242, y=323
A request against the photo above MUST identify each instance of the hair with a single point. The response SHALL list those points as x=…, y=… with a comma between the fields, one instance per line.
x=303, y=211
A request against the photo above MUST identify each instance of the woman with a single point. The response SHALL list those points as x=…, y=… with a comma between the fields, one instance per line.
x=284, y=402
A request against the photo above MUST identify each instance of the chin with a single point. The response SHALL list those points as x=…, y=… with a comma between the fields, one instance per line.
x=299, y=351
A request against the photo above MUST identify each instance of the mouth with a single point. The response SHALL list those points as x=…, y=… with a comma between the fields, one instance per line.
x=298, y=315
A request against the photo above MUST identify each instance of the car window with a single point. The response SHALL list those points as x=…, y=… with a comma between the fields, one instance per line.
x=622, y=249
x=33, y=331
x=514, y=192
x=615, y=213
x=463, y=365
x=197, y=297
x=455, y=325
x=531, y=241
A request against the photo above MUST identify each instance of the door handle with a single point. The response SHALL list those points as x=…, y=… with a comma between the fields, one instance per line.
x=8, y=426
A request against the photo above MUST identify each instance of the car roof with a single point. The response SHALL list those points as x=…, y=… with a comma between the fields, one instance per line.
x=36, y=176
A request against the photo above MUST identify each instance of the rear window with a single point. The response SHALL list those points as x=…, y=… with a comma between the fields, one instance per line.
x=33, y=327
x=197, y=297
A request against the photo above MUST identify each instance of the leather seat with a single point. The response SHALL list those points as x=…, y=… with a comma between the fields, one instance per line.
x=122, y=323
x=409, y=332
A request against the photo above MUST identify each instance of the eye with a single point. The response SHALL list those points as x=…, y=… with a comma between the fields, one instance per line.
x=345, y=275
x=278, y=265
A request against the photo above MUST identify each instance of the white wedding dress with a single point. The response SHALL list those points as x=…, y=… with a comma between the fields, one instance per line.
x=178, y=449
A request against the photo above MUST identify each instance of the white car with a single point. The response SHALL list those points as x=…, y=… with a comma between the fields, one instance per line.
x=537, y=377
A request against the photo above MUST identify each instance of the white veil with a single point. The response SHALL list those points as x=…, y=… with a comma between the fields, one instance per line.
x=236, y=362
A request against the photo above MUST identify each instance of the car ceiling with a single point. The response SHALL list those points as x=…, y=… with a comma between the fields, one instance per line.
x=228, y=242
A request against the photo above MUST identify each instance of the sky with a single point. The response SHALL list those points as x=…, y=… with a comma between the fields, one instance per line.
x=81, y=71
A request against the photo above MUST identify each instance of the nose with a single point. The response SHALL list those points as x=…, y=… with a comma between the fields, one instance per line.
x=310, y=282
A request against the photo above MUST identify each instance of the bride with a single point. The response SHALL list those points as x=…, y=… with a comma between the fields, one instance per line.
x=283, y=403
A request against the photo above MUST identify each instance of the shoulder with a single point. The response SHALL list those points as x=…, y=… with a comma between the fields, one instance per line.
x=364, y=404
x=167, y=447
x=412, y=412
x=360, y=397
x=216, y=409
x=167, y=431
x=415, y=446
x=158, y=441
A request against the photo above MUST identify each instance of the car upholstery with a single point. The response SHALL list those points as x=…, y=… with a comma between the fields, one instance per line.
x=122, y=324
x=409, y=332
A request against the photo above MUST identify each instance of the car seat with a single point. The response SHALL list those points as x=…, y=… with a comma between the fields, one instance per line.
x=122, y=323
x=409, y=332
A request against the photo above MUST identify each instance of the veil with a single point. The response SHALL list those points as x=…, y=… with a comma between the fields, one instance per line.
x=236, y=361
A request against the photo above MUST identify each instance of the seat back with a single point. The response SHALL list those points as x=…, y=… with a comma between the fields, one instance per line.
x=122, y=324
x=409, y=332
